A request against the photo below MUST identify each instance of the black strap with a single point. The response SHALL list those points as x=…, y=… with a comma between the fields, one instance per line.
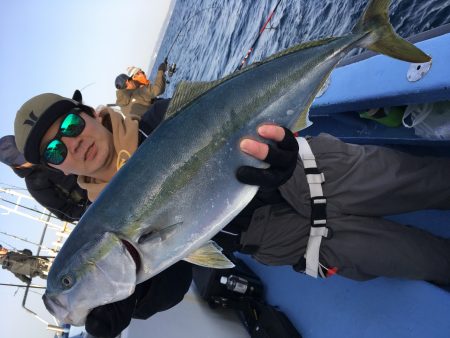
x=318, y=210
x=312, y=171
x=300, y=266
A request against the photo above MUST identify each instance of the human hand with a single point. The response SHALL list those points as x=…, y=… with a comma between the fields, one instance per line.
x=96, y=323
x=163, y=66
x=282, y=157
x=110, y=319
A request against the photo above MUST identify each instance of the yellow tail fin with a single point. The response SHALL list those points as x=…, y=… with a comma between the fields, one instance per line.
x=375, y=19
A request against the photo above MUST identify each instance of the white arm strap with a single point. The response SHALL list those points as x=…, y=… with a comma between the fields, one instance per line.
x=318, y=226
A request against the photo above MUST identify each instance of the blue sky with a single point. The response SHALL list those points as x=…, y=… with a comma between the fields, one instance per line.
x=59, y=46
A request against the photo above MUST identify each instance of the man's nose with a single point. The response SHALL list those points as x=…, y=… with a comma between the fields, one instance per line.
x=71, y=143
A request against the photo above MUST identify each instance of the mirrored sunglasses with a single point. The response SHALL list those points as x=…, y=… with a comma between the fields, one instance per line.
x=71, y=126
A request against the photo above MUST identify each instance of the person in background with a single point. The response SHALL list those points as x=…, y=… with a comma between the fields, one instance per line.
x=138, y=75
x=55, y=191
x=134, y=95
x=363, y=183
x=23, y=264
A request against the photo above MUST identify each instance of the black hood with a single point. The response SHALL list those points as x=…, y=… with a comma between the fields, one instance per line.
x=24, y=172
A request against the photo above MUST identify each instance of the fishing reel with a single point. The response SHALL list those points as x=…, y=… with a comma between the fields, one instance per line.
x=172, y=69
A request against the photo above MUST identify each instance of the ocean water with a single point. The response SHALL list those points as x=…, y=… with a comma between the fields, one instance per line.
x=207, y=39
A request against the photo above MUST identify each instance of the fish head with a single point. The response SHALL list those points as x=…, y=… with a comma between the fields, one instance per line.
x=100, y=272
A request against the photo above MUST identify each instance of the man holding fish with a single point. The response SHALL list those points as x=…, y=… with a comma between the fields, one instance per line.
x=274, y=216
x=316, y=203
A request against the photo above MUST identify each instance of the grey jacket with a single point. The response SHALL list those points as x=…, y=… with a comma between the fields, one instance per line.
x=362, y=184
x=138, y=101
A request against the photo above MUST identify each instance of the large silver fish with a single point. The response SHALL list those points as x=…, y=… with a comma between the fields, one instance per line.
x=179, y=188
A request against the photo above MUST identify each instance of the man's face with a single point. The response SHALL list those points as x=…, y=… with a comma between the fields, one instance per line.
x=88, y=153
x=3, y=251
x=141, y=78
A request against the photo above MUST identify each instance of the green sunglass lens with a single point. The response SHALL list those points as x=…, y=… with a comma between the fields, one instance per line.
x=55, y=153
x=72, y=125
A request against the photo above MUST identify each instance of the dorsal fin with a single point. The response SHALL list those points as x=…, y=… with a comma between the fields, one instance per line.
x=296, y=48
x=186, y=91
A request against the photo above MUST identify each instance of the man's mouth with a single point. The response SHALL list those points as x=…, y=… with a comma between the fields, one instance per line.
x=90, y=153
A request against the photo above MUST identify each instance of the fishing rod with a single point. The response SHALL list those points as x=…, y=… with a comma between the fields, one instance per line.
x=263, y=28
x=88, y=85
x=27, y=241
x=173, y=67
x=184, y=26
x=23, y=286
x=8, y=246
x=31, y=209
x=15, y=187
x=23, y=206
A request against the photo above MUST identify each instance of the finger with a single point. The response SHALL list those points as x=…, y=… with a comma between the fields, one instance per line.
x=271, y=132
x=254, y=148
x=284, y=137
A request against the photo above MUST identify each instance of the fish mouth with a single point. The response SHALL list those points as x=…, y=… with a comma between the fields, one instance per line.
x=48, y=304
x=133, y=253
x=58, y=310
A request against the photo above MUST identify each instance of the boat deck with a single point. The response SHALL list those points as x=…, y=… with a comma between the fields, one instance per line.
x=339, y=307
x=388, y=308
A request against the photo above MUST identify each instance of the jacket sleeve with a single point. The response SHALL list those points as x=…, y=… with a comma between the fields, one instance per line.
x=47, y=194
x=147, y=94
x=159, y=86
x=163, y=291
x=159, y=293
x=153, y=116
x=111, y=319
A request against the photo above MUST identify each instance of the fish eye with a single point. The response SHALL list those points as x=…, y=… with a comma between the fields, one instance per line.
x=67, y=281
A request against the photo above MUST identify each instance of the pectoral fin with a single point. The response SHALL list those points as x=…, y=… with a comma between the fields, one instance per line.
x=210, y=256
x=302, y=122
x=160, y=234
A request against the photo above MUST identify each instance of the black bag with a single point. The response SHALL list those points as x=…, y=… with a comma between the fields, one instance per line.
x=260, y=319
x=266, y=321
x=210, y=288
